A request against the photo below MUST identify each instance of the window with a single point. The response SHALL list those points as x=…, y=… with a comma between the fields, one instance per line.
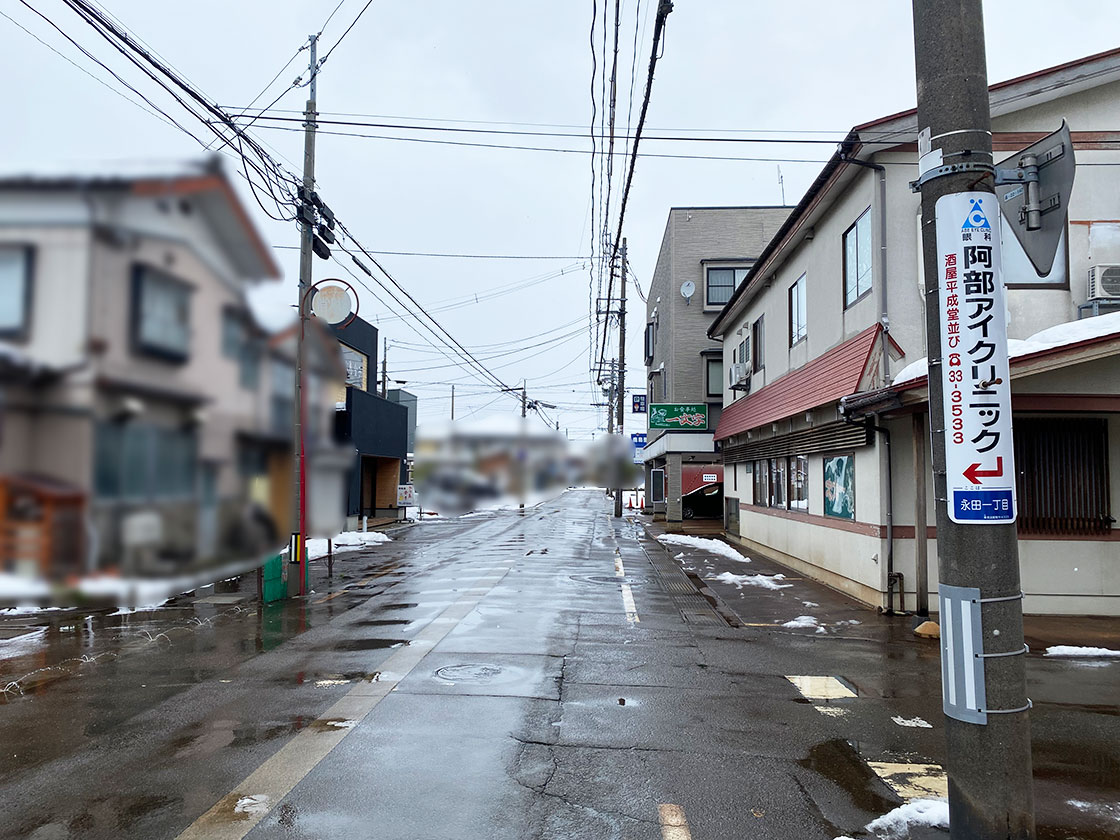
x=239, y=344
x=857, y=259
x=715, y=377
x=140, y=461
x=758, y=339
x=799, y=483
x=1062, y=476
x=743, y=354
x=283, y=400
x=650, y=337
x=797, y=311
x=160, y=314
x=778, y=471
x=15, y=290
x=722, y=282
x=762, y=483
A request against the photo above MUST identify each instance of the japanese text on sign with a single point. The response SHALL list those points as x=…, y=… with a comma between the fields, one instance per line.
x=975, y=375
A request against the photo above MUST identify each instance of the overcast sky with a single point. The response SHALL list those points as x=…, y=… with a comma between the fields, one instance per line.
x=789, y=68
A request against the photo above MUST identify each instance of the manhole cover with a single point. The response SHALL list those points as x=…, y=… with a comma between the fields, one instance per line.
x=607, y=579
x=479, y=674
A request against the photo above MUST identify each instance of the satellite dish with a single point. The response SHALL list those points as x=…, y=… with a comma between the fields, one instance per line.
x=688, y=289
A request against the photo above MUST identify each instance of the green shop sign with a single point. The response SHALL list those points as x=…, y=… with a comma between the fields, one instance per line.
x=678, y=416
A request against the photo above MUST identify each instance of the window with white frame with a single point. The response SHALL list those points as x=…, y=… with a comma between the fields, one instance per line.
x=161, y=322
x=15, y=290
x=857, y=259
x=798, y=315
x=721, y=284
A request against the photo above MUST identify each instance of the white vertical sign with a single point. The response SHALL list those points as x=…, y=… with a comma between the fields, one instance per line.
x=975, y=373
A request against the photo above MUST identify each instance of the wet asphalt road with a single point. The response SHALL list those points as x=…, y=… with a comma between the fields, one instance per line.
x=549, y=674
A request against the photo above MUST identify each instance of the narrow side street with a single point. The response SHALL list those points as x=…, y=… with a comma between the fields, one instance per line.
x=552, y=673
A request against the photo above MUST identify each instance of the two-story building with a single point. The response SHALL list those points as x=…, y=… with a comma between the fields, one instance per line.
x=375, y=425
x=824, y=429
x=705, y=254
x=138, y=386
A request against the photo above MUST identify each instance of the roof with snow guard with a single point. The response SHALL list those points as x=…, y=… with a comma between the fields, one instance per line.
x=826, y=379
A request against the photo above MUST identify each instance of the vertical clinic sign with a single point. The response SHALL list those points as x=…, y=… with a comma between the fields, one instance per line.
x=975, y=373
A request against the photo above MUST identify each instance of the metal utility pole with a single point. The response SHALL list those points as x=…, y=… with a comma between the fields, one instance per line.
x=983, y=670
x=452, y=402
x=297, y=548
x=610, y=400
x=384, y=367
x=620, y=392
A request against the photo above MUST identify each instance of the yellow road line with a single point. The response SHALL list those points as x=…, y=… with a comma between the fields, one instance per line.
x=674, y=826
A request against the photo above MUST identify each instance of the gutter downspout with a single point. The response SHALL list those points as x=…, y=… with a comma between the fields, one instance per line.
x=893, y=578
x=884, y=339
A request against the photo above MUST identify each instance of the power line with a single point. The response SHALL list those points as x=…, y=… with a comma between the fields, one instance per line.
x=458, y=256
x=341, y=37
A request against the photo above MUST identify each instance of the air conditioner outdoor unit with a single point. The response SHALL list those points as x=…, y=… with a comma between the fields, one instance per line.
x=1104, y=282
x=740, y=377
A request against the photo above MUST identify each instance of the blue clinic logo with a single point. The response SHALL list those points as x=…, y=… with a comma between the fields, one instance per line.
x=976, y=220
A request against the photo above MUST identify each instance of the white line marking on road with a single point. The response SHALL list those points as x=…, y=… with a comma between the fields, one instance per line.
x=627, y=593
x=821, y=688
x=238, y=812
x=673, y=824
x=913, y=781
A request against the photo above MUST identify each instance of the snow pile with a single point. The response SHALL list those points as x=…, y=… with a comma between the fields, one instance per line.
x=804, y=622
x=346, y=541
x=761, y=581
x=1061, y=335
x=711, y=546
x=1073, y=650
x=914, y=722
x=253, y=805
x=933, y=813
x=22, y=588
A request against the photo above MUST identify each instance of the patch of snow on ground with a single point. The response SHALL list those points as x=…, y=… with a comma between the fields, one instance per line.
x=1104, y=809
x=711, y=546
x=920, y=812
x=1073, y=650
x=915, y=722
x=343, y=724
x=253, y=805
x=806, y=622
x=346, y=541
x=810, y=604
x=761, y=581
x=21, y=588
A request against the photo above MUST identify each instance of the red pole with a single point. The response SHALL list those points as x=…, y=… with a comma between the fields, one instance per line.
x=301, y=408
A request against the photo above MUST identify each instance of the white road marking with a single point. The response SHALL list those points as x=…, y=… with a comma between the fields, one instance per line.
x=238, y=812
x=821, y=688
x=627, y=593
x=674, y=826
x=913, y=781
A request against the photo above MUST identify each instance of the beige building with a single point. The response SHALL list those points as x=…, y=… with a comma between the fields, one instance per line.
x=831, y=316
x=705, y=252
x=135, y=377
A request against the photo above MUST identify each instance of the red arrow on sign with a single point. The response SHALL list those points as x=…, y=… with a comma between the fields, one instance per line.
x=973, y=473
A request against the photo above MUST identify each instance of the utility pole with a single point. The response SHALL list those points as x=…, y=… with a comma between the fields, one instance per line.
x=297, y=549
x=610, y=400
x=385, y=367
x=987, y=726
x=620, y=393
x=452, y=402
x=524, y=445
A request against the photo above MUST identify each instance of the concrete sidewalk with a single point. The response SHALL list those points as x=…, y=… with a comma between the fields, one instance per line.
x=1041, y=631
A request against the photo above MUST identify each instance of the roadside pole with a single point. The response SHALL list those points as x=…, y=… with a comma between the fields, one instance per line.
x=524, y=445
x=297, y=548
x=983, y=670
x=620, y=388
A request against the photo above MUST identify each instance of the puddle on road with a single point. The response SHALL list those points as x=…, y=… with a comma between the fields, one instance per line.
x=381, y=622
x=471, y=674
x=838, y=761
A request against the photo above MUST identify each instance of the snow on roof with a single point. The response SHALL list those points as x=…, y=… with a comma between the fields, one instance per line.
x=1062, y=335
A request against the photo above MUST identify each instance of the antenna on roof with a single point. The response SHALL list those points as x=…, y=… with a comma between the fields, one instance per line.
x=782, y=185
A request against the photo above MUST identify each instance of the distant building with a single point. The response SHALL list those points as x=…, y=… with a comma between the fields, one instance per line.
x=374, y=425
x=824, y=429
x=705, y=253
x=135, y=380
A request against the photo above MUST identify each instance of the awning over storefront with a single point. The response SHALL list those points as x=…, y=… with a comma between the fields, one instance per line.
x=698, y=476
